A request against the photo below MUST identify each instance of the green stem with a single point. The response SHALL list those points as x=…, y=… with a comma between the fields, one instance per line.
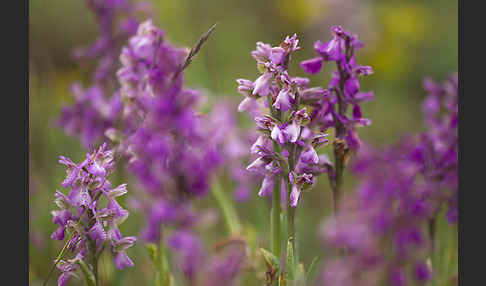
x=432, y=231
x=337, y=181
x=88, y=274
x=339, y=145
x=291, y=212
x=227, y=208
x=276, y=218
x=164, y=265
x=95, y=263
x=158, y=255
x=291, y=228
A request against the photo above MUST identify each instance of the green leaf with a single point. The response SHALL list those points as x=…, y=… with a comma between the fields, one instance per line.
x=165, y=275
x=158, y=257
x=273, y=118
x=300, y=275
x=311, y=268
x=270, y=259
x=227, y=208
x=153, y=251
x=290, y=261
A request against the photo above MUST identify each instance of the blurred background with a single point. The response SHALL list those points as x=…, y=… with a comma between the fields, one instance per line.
x=405, y=41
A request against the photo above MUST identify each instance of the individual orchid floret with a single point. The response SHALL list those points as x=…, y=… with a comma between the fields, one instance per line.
x=262, y=52
x=283, y=100
x=118, y=245
x=265, y=53
x=146, y=41
x=248, y=104
x=363, y=70
x=300, y=117
x=265, y=122
x=290, y=44
x=309, y=155
x=258, y=166
x=320, y=140
x=299, y=182
x=267, y=185
x=312, y=66
x=245, y=87
x=286, y=133
x=262, y=143
x=67, y=271
x=261, y=86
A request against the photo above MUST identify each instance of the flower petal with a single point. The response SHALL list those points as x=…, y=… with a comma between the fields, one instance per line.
x=282, y=101
x=292, y=132
x=261, y=86
x=278, y=135
x=122, y=260
x=294, y=196
x=266, y=189
x=312, y=66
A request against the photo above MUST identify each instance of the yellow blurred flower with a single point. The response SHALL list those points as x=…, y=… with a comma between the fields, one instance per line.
x=299, y=13
x=405, y=27
x=405, y=21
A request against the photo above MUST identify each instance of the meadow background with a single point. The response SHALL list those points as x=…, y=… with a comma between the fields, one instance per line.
x=405, y=41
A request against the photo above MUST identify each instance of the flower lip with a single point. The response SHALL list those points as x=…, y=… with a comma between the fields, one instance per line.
x=261, y=86
x=283, y=101
x=265, y=122
x=312, y=66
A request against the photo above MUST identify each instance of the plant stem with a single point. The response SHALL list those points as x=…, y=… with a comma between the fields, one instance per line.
x=339, y=144
x=276, y=218
x=95, y=263
x=432, y=231
x=291, y=231
x=95, y=272
x=291, y=211
x=227, y=208
x=164, y=266
x=337, y=180
x=291, y=226
x=275, y=213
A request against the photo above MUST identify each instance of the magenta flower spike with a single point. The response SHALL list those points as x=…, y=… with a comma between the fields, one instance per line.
x=91, y=227
x=389, y=226
x=98, y=106
x=283, y=154
x=286, y=96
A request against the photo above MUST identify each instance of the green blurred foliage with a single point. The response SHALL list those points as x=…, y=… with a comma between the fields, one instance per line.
x=404, y=42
